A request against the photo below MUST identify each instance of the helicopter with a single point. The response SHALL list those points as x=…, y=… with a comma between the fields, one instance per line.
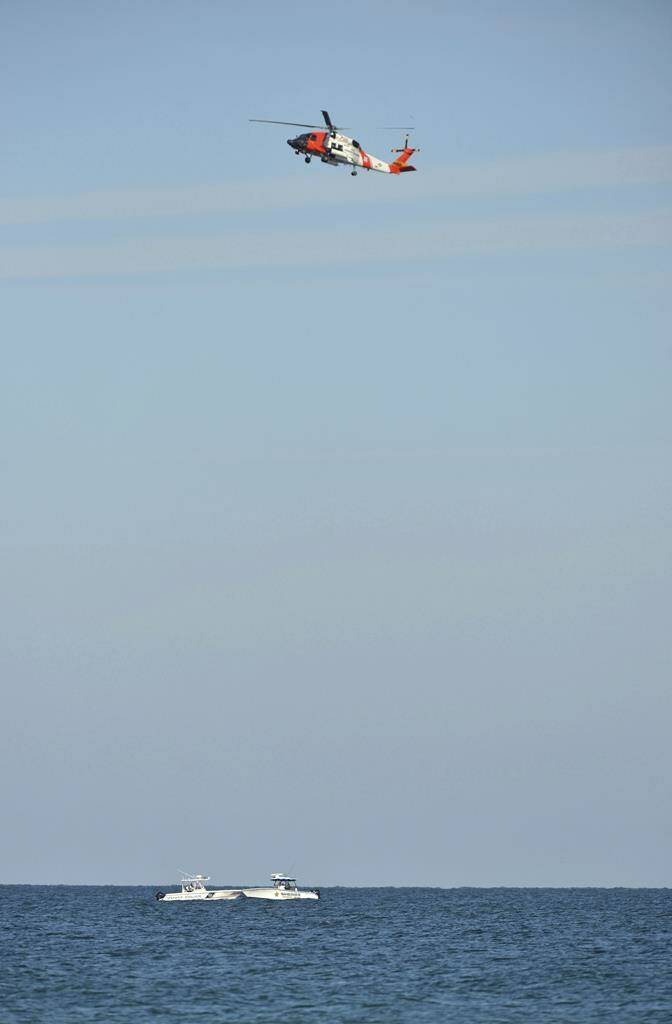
x=327, y=143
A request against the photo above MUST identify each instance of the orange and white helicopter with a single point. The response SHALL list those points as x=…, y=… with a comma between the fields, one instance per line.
x=333, y=148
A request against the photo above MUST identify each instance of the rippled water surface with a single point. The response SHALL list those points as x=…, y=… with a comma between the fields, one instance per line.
x=114, y=954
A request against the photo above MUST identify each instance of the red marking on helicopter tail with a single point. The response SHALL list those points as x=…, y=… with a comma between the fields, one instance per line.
x=398, y=166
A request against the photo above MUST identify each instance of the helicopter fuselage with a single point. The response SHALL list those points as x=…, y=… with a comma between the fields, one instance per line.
x=334, y=148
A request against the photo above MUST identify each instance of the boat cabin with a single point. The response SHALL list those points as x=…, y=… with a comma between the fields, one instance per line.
x=281, y=881
x=191, y=883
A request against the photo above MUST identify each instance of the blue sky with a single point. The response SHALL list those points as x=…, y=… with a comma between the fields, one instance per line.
x=336, y=512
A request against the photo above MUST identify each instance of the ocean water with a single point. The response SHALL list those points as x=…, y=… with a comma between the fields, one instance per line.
x=114, y=954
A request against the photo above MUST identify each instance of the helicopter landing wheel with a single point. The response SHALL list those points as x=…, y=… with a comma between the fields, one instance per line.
x=307, y=159
x=353, y=173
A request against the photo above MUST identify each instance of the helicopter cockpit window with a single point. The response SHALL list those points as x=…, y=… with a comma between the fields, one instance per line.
x=355, y=144
x=313, y=137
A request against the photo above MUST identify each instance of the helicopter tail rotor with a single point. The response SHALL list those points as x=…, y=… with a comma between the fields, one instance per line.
x=401, y=163
x=406, y=147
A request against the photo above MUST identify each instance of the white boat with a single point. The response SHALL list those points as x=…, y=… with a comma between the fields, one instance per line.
x=193, y=888
x=284, y=888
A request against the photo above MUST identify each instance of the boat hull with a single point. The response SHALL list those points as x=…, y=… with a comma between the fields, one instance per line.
x=269, y=893
x=201, y=895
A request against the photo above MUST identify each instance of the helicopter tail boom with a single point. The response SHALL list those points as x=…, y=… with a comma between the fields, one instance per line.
x=401, y=164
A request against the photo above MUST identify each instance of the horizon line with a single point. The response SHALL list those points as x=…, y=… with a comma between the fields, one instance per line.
x=340, y=885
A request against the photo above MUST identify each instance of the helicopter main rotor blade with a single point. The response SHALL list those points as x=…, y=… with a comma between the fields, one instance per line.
x=294, y=124
x=327, y=121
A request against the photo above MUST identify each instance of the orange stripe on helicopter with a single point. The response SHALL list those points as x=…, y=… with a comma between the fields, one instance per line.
x=315, y=142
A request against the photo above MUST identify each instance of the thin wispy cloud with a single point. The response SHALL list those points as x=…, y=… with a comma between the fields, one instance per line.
x=542, y=174
x=283, y=248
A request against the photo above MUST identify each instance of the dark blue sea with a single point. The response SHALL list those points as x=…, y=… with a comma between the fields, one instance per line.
x=114, y=954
